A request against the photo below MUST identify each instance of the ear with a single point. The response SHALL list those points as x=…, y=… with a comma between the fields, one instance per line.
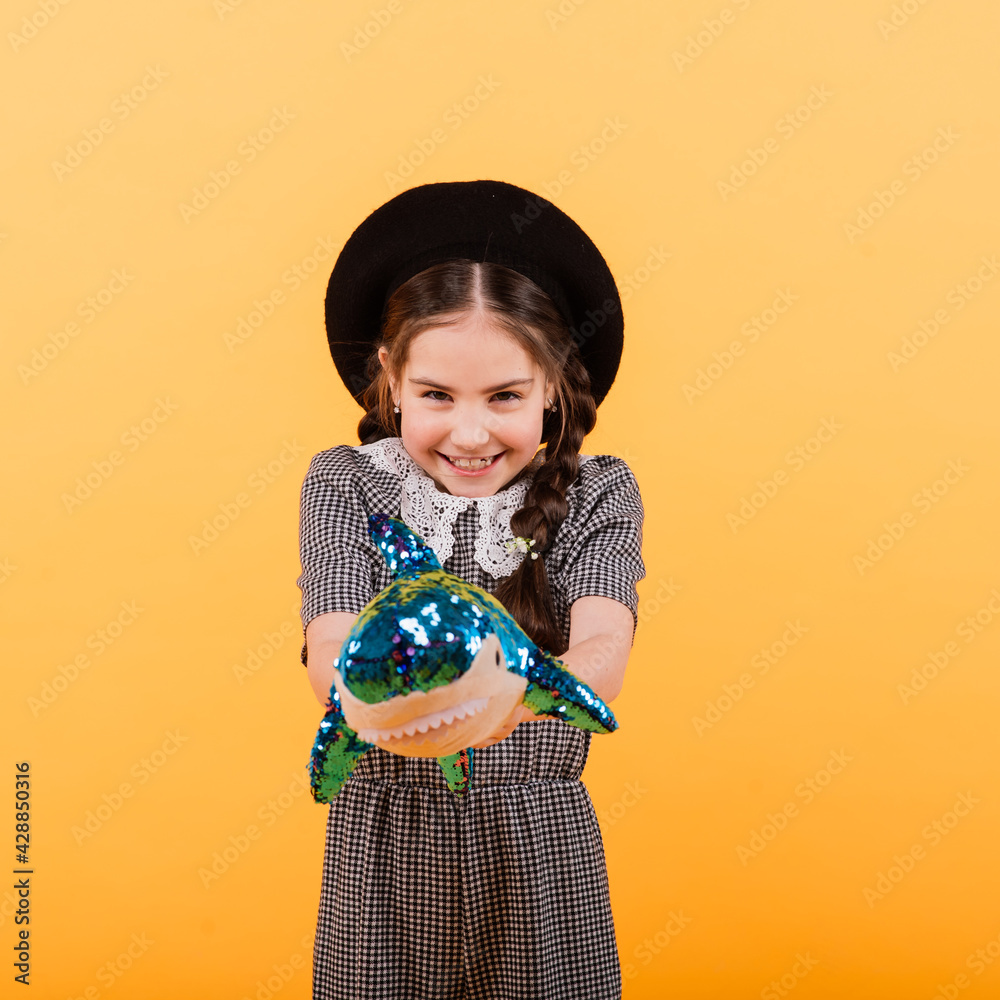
x=383, y=354
x=383, y=357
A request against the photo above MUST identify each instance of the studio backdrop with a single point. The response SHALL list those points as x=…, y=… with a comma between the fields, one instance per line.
x=799, y=204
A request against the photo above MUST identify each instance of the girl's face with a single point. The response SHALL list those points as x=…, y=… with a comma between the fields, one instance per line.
x=471, y=402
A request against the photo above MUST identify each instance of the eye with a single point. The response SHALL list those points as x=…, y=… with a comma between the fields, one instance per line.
x=510, y=397
x=498, y=657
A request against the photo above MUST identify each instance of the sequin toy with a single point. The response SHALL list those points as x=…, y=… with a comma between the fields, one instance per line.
x=432, y=665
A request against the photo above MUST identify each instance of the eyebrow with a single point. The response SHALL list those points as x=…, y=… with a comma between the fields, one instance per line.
x=496, y=388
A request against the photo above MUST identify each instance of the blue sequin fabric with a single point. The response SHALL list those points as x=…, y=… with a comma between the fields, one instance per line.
x=425, y=631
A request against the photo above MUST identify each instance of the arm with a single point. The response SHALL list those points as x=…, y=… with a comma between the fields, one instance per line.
x=336, y=561
x=325, y=635
x=603, y=567
x=600, y=640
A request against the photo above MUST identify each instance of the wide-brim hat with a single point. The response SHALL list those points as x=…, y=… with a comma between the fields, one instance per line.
x=476, y=220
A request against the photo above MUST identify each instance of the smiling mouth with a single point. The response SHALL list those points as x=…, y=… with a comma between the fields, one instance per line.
x=471, y=464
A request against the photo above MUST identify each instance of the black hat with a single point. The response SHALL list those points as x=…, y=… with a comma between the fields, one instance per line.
x=476, y=220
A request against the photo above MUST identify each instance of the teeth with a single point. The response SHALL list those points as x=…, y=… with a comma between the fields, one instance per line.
x=471, y=463
x=425, y=723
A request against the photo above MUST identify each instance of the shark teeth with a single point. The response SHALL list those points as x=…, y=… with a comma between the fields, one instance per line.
x=425, y=723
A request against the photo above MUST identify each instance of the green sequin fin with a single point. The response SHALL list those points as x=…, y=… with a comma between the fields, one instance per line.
x=457, y=768
x=335, y=754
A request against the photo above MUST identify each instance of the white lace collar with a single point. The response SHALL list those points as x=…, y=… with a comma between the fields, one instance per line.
x=432, y=513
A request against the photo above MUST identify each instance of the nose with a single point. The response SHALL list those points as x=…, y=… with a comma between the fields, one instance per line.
x=469, y=433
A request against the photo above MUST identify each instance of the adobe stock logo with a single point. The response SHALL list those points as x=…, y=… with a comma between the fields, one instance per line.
x=425, y=146
x=121, y=107
x=103, y=468
x=899, y=16
x=89, y=309
x=797, y=458
x=937, y=660
x=228, y=511
x=99, y=641
x=248, y=150
x=958, y=297
x=562, y=13
x=653, y=945
x=787, y=127
x=776, y=988
x=763, y=660
x=263, y=308
x=895, y=530
x=903, y=864
x=696, y=44
x=914, y=168
x=365, y=34
x=44, y=12
x=806, y=790
x=142, y=770
x=607, y=818
x=707, y=376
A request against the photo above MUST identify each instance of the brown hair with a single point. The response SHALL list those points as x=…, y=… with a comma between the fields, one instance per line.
x=441, y=294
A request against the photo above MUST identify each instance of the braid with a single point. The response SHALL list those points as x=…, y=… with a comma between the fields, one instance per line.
x=379, y=421
x=526, y=593
x=371, y=428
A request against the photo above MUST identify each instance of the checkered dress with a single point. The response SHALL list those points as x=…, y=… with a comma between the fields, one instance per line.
x=501, y=894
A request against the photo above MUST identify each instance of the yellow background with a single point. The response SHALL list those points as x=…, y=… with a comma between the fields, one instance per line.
x=694, y=94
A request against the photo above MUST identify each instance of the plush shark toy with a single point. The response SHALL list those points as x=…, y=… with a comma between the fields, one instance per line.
x=432, y=665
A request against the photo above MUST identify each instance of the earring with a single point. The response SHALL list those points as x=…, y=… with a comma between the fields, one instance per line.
x=395, y=409
x=550, y=406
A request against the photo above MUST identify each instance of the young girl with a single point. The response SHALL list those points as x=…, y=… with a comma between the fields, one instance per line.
x=474, y=321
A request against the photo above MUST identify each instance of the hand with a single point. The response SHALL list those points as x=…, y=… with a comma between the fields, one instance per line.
x=521, y=713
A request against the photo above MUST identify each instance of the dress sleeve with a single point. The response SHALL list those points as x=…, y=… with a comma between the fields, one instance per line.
x=604, y=553
x=333, y=540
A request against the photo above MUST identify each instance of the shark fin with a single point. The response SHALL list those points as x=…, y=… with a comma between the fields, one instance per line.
x=402, y=550
x=552, y=690
x=335, y=753
x=457, y=768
